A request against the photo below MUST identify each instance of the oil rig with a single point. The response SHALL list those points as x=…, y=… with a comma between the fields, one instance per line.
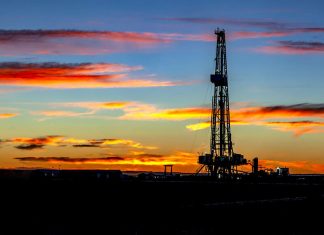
x=221, y=162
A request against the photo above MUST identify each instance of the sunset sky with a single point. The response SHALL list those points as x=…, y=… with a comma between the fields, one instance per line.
x=124, y=84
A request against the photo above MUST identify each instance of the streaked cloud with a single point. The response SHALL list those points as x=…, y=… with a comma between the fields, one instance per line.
x=28, y=41
x=122, y=142
x=293, y=47
x=238, y=115
x=29, y=146
x=56, y=140
x=47, y=140
x=198, y=126
x=206, y=124
x=110, y=105
x=251, y=34
x=71, y=160
x=282, y=32
x=228, y=21
x=91, y=107
x=61, y=113
x=260, y=116
x=153, y=113
x=298, y=127
x=85, y=145
x=177, y=158
x=8, y=115
x=280, y=111
x=188, y=37
x=131, y=111
x=135, y=37
x=115, y=104
x=34, y=143
x=71, y=76
x=270, y=116
x=273, y=28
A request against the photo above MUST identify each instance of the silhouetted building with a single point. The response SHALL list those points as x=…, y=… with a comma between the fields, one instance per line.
x=255, y=165
x=282, y=171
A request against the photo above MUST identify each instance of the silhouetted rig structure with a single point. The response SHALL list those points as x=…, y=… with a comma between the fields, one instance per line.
x=222, y=161
x=50, y=201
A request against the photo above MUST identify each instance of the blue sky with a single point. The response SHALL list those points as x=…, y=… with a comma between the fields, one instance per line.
x=275, y=58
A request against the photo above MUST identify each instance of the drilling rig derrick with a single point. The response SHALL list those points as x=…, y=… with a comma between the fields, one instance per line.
x=221, y=161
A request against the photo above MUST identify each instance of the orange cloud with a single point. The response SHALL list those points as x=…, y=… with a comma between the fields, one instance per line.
x=240, y=116
x=259, y=115
x=167, y=114
x=71, y=160
x=98, y=105
x=296, y=124
x=178, y=158
x=182, y=114
x=48, y=140
x=70, y=76
x=40, y=142
x=206, y=124
x=8, y=115
x=115, y=105
x=183, y=160
x=279, y=111
x=123, y=142
x=35, y=143
x=198, y=126
x=298, y=127
x=296, y=167
x=137, y=111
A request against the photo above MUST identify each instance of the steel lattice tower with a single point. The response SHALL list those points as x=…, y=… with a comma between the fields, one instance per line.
x=222, y=160
x=221, y=140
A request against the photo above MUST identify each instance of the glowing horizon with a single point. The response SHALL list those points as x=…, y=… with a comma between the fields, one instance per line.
x=126, y=85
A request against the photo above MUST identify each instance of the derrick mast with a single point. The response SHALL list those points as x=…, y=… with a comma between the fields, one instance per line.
x=221, y=141
x=221, y=161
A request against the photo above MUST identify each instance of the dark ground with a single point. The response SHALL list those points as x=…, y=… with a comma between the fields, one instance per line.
x=144, y=207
